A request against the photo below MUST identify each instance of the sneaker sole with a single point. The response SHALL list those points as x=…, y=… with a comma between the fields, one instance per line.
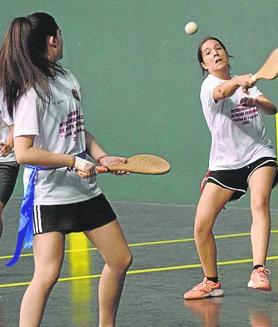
x=215, y=293
x=251, y=284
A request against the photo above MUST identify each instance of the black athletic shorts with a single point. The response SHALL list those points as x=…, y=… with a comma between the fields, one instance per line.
x=237, y=179
x=8, y=175
x=74, y=217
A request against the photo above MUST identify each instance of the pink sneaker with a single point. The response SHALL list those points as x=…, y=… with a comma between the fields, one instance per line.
x=259, y=280
x=205, y=289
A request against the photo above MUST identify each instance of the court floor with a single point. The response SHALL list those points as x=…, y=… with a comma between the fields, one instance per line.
x=165, y=265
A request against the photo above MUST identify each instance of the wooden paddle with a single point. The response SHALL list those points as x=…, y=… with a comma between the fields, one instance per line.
x=269, y=69
x=139, y=164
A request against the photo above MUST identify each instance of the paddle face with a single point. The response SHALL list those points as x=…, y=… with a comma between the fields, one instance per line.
x=269, y=69
x=142, y=164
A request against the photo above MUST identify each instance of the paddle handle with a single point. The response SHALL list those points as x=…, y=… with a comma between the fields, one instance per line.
x=102, y=169
x=254, y=78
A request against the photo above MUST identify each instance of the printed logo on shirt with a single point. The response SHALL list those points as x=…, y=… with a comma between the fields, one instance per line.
x=75, y=94
x=72, y=125
x=244, y=115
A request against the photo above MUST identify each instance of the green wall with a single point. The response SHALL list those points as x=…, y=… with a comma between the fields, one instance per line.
x=140, y=78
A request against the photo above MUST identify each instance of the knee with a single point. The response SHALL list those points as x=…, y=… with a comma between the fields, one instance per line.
x=202, y=230
x=260, y=204
x=122, y=263
x=126, y=262
x=47, y=278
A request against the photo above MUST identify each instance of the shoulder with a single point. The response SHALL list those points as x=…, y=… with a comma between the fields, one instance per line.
x=69, y=75
x=211, y=80
x=29, y=94
x=208, y=85
x=28, y=101
x=68, y=78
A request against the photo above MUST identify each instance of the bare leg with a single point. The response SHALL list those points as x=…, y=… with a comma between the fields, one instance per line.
x=260, y=184
x=48, y=257
x=110, y=241
x=212, y=201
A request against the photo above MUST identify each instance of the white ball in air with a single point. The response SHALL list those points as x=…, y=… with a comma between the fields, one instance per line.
x=191, y=28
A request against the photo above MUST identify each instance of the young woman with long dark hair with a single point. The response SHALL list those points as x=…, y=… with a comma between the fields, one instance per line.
x=61, y=192
x=241, y=156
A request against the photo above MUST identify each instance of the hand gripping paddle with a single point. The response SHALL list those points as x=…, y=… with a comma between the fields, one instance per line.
x=140, y=164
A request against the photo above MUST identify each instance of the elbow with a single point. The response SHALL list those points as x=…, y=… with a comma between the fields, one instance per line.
x=20, y=161
x=20, y=158
x=219, y=94
x=23, y=149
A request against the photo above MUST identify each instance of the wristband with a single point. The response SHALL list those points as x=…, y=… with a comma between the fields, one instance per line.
x=72, y=162
x=82, y=164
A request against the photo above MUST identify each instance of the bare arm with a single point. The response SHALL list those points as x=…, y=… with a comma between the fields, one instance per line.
x=266, y=105
x=229, y=87
x=98, y=153
x=10, y=138
x=27, y=154
x=261, y=102
x=8, y=146
x=93, y=148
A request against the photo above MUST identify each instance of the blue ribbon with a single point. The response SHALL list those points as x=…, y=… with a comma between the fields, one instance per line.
x=25, y=229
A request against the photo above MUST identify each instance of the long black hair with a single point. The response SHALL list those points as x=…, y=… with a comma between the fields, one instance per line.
x=23, y=58
x=200, y=54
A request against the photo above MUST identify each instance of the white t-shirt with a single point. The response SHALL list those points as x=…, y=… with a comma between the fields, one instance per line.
x=5, y=121
x=58, y=126
x=238, y=132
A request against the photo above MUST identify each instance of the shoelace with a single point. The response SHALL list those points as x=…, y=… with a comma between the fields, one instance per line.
x=205, y=283
x=263, y=273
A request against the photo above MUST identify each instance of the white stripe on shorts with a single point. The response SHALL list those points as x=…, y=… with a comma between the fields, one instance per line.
x=225, y=186
x=37, y=223
x=259, y=166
